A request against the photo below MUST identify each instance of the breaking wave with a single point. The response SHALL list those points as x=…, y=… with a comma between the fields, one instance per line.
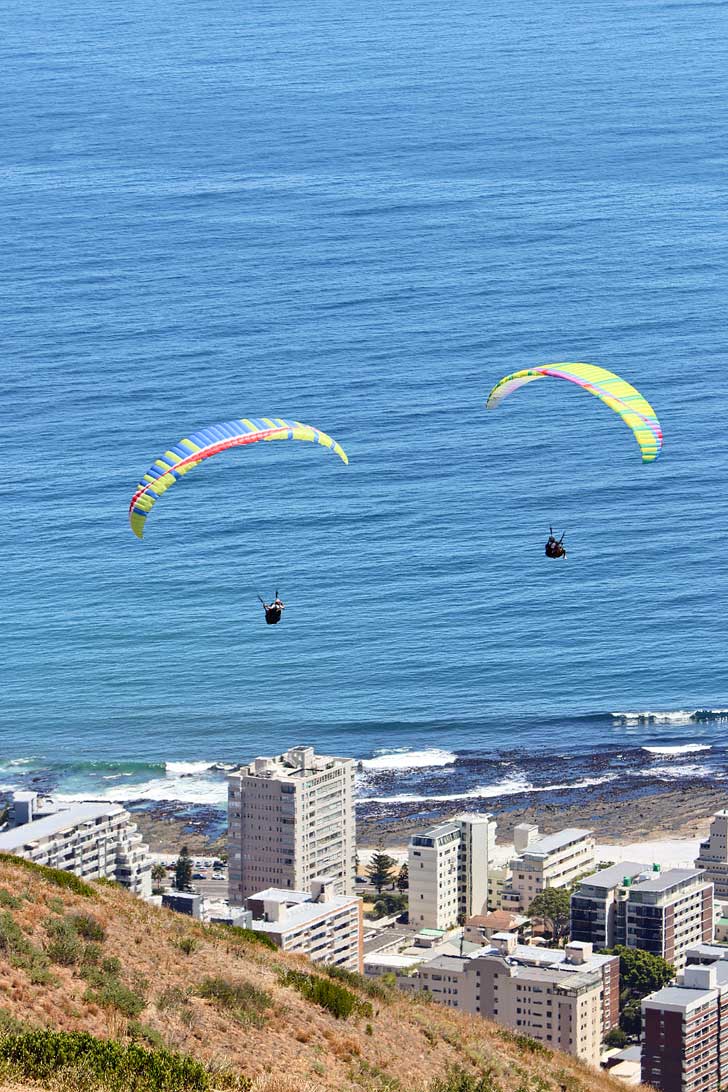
x=409, y=760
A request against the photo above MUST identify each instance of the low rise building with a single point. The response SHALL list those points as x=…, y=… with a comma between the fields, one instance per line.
x=448, y=871
x=318, y=923
x=554, y=860
x=498, y=879
x=685, y=1032
x=480, y=927
x=567, y=999
x=94, y=841
x=664, y=913
x=713, y=856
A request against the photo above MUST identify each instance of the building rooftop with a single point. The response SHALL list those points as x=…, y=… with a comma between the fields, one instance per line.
x=664, y=881
x=295, y=763
x=300, y=908
x=678, y=997
x=498, y=920
x=49, y=825
x=611, y=877
x=542, y=847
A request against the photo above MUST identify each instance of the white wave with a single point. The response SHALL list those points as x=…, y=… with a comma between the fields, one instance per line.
x=674, y=772
x=679, y=749
x=409, y=760
x=187, y=767
x=512, y=786
x=647, y=716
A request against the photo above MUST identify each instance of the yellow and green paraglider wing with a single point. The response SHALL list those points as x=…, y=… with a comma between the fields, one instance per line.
x=190, y=452
x=611, y=389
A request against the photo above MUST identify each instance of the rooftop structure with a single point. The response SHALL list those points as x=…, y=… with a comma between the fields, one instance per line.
x=291, y=819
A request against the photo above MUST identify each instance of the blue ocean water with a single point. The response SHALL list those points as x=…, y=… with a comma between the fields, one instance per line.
x=360, y=216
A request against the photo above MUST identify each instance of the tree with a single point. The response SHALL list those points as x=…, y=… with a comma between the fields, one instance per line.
x=380, y=870
x=640, y=973
x=159, y=875
x=183, y=871
x=552, y=905
x=403, y=878
x=615, y=1037
x=389, y=903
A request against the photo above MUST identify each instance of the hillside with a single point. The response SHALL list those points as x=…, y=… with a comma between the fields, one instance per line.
x=93, y=959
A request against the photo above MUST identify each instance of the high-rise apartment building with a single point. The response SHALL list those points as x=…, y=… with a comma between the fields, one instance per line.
x=554, y=860
x=290, y=821
x=713, y=858
x=664, y=913
x=448, y=871
x=567, y=999
x=95, y=841
x=685, y=1032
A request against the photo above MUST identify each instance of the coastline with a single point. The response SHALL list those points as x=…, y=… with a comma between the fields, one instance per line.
x=662, y=813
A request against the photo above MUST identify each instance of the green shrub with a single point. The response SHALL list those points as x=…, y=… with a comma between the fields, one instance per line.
x=40, y=1055
x=336, y=999
x=113, y=994
x=187, y=945
x=88, y=928
x=375, y=988
x=53, y=875
x=8, y=900
x=171, y=998
x=65, y=945
x=111, y=965
x=145, y=1033
x=22, y=953
x=526, y=1043
x=458, y=1080
x=244, y=1001
x=91, y=955
x=237, y=932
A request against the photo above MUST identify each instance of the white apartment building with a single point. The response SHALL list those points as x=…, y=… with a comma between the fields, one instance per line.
x=319, y=924
x=290, y=820
x=554, y=860
x=567, y=999
x=448, y=871
x=713, y=858
x=665, y=913
x=94, y=841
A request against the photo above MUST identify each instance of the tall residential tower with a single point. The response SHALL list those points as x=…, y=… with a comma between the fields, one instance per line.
x=291, y=821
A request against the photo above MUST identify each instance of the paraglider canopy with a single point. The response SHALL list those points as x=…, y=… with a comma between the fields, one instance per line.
x=611, y=389
x=191, y=451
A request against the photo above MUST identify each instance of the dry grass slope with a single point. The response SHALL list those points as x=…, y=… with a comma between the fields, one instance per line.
x=162, y=980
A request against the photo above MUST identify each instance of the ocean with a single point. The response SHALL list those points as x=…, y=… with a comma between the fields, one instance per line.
x=362, y=216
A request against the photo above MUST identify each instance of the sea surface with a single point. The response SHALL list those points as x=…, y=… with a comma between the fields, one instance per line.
x=361, y=216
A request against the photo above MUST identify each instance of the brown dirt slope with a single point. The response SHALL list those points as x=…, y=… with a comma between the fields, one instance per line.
x=283, y=1041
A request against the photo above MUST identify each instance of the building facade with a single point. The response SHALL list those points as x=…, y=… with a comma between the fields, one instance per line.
x=320, y=924
x=685, y=1032
x=664, y=913
x=713, y=857
x=555, y=860
x=94, y=841
x=567, y=999
x=290, y=820
x=448, y=871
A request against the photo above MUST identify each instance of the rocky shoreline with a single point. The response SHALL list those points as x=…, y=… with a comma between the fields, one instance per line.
x=616, y=812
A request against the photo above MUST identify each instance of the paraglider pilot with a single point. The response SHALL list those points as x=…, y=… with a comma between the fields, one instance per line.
x=273, y=611
x=554, y=546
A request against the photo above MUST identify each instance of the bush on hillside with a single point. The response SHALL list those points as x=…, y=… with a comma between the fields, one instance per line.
x=458, y=1080
x=251, y=936
x=22, y=953
x=65, y=945
x=373, y=987
x=336, y=999
x=88, y=927
x=242, y=1000
x=53, y=875
x=41, y=1055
